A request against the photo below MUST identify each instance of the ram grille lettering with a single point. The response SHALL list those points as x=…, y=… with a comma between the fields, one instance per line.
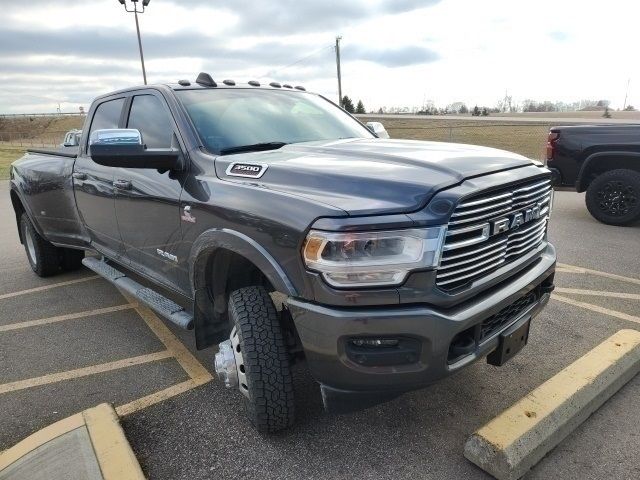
x=514, y=221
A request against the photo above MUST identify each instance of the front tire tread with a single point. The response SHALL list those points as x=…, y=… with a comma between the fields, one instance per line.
x=270, y=405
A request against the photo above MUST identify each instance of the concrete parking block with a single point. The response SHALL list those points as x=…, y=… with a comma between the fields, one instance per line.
x=89, y=445
x=513, y=442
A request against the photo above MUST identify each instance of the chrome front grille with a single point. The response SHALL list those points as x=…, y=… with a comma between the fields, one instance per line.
x=475, y=245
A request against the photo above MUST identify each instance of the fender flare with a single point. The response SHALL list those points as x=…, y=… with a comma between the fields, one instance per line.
x=213, y=239
x=14, y=190
x=582, y=177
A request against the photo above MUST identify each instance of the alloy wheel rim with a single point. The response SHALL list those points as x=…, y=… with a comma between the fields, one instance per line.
x=31, y=249
x=617, y=198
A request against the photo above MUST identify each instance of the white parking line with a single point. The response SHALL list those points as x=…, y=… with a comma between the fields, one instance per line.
x=564, y=268
x=198, y=374
x=597, y=308
x=161, y=396
x=47, y=287
x=62, y=318
x=598, y=293
x=84, y=372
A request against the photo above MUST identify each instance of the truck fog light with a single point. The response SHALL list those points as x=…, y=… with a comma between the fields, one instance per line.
x=375, y=342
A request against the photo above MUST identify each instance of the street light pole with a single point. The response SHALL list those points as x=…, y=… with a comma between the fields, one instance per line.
x=135, y=11
x=144, y=71
x=338, y=70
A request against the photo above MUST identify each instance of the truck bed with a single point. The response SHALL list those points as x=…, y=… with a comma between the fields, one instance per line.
x=71, y=152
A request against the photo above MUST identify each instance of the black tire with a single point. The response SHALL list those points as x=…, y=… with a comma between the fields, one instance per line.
x=269, y=404
x=43, y=256
x=614, y=197
x=71, y=259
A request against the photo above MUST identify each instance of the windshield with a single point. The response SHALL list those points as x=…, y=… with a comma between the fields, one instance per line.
x=227, y=118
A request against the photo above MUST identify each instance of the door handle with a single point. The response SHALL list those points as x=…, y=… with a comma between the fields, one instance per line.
x=79, y=175
x=122, y=184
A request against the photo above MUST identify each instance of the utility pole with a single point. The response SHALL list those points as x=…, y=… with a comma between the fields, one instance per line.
x=338, y=69
x=626, y=94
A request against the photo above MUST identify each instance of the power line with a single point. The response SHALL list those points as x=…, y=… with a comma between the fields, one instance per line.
x=272, y=72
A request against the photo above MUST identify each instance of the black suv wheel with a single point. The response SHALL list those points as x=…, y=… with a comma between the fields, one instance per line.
x=264, y=370
x=614, y=197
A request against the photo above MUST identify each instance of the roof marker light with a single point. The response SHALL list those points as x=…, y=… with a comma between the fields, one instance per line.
x=205, y=80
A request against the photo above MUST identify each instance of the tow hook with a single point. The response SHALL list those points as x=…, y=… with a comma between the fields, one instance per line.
x=229, y=364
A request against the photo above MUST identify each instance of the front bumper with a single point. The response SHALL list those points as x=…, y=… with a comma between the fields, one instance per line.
x=326, y=332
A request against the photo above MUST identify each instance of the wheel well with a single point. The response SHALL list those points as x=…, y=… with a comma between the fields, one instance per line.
x=231, y=271
x=18, y=209
x=217, y=275
x=605, y=163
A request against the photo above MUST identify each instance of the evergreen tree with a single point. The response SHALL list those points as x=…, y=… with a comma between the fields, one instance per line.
x=360, y=107
x=476, y=111
x=347, y=104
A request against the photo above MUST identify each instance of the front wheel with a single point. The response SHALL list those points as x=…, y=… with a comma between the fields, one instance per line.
x=262, y=359
x=614, y=197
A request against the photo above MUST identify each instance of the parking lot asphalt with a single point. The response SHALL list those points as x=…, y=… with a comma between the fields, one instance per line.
x=68, y=346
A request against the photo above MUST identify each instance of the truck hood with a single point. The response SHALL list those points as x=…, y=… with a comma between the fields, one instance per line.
x=370, y=176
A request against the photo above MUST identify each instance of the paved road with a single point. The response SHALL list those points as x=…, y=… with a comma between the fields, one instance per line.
x=506, y=119
x=202, y=433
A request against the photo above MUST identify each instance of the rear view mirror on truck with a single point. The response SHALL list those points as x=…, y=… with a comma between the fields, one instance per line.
x=123, y=147
x=378, y=129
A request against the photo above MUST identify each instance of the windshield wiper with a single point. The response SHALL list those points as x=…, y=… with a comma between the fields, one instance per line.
x=256, y=147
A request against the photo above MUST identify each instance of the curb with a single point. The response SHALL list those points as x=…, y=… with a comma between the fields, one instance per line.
x=96, y=431
x=513, y=442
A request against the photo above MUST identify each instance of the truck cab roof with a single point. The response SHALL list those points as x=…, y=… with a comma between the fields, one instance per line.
x=205, y=81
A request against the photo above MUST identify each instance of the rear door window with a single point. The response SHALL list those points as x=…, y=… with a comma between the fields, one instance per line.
x=107, y=115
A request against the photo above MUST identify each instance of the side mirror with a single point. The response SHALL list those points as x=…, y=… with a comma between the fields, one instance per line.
x=378, y=129
x=123, y=147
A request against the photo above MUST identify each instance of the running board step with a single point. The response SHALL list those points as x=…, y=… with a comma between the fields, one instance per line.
x=156, y=302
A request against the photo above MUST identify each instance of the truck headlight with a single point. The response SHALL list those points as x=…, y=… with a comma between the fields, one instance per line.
x=367, y=259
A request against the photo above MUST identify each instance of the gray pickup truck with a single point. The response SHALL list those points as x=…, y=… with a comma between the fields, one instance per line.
x=281, y=230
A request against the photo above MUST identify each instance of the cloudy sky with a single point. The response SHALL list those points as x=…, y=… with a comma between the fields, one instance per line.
x=395, y=52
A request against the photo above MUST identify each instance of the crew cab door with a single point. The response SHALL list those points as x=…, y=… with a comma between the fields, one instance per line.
x=147, y=200
x=93, y=184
